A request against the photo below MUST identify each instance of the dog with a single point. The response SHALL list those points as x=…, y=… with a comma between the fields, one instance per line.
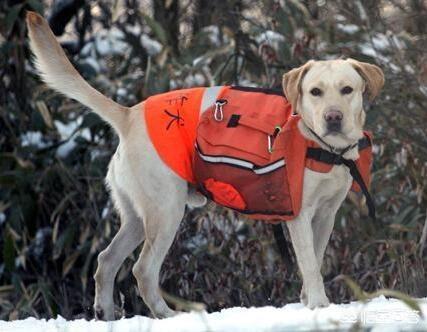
x=150, y=198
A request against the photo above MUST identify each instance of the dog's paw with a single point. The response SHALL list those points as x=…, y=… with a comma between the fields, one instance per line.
x=196, y=200
x=166, y=313
x=317, y=301
x=303, y=297
x=101, y=314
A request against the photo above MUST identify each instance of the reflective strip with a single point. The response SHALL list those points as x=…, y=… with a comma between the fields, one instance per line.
x=227, y=160
x=209, y=97
x=271, y=167
x=242, y=163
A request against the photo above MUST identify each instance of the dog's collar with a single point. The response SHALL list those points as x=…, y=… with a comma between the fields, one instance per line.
x=333, y=149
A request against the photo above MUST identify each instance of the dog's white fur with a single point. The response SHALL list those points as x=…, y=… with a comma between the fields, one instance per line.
x=151, y=199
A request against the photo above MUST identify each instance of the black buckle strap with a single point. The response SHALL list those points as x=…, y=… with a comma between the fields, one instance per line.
x=354, y=172
x=234, y=121
x=324, y=156
x=363, y=143
x=330, y=158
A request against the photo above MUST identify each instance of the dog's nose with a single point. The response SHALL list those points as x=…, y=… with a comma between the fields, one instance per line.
x=333, y=116
x=333, y=120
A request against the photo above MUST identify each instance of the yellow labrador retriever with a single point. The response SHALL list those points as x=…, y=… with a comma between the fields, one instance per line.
x=151, y=199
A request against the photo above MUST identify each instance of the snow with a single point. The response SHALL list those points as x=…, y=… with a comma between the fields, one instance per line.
x=212, y=32
x=382, y=42
x=380, y=314
x=248, y=83
x=109, y=42
x=194, y=79
x=153, y=47
x=69, y=132
x=122, y=92
x=33, y=138
x=270, y=37
x=348, y=28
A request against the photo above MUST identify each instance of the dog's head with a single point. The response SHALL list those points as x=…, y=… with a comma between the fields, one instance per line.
x=329, y=97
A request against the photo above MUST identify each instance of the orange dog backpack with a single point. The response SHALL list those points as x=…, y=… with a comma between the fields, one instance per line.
x=244, y=152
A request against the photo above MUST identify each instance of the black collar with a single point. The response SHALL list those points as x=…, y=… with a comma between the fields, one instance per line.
x=332, y=149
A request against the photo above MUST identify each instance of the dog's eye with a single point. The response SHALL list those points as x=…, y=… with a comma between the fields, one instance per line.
x=316, y=92
x=346, y=90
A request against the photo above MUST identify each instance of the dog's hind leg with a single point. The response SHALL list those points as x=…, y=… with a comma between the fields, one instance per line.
x=161, y=222
x=129, y=236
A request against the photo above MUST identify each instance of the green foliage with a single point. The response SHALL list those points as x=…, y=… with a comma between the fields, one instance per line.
x=55, y=214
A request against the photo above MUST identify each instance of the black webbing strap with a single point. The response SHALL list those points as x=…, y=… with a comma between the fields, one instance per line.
x=234, y=121
x=336, y=159
x=363, y=143
x=354, y=172
x=282, y=245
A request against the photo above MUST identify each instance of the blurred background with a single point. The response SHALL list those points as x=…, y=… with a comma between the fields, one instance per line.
x=55, y=214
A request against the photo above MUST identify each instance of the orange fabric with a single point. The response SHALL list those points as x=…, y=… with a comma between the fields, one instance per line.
x=364, y=164
x=295, y=146
x=225, y=194
x=272, y=112
x=172, y=120
x=259, y=114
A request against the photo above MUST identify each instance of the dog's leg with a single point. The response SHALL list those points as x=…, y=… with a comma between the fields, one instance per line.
x=129, y=236
x=322, y=228
x=161, y=223
x=323, y=224
x=301, y=233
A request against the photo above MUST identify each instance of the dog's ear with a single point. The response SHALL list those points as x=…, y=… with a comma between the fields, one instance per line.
x=373, y=76
x=291, y=83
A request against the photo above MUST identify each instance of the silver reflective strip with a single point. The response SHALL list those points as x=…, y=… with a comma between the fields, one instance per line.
x=242, y=163
x=270, y=168
x=209, y=97
x=227, y=160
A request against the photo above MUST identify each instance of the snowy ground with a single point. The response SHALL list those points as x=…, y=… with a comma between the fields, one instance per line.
x=380, y=314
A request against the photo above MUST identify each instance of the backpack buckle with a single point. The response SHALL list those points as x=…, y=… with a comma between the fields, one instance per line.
x=218, y=112
x=277, y=130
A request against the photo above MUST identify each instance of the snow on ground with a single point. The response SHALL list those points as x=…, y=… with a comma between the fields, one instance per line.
x=380, y=314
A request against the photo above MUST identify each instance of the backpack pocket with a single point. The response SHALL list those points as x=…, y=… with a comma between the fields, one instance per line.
x=234, y=164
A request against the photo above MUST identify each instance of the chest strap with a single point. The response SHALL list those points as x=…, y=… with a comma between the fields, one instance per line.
x=327, y=157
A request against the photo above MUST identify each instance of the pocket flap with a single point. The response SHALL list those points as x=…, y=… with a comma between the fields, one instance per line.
x=241, y=137
x=256, y=123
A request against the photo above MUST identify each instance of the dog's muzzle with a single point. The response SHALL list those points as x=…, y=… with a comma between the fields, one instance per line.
x=333, y=120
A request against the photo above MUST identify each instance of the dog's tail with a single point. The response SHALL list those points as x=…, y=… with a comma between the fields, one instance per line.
x=57, y=71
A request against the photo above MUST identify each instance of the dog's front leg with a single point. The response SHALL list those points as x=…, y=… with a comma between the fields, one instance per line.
x=301, y=233
x=322, y=229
